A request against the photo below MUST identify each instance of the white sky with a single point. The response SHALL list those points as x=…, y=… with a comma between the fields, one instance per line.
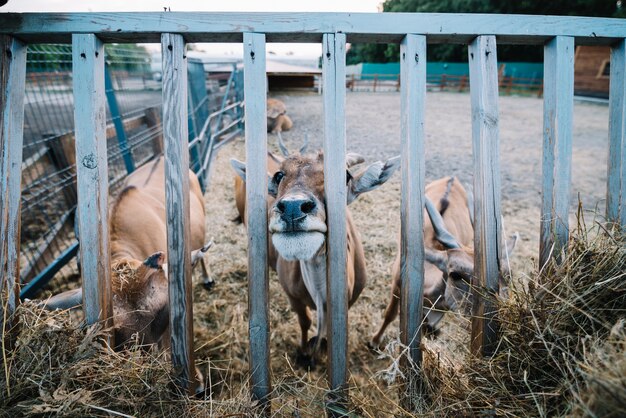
x=297, y=50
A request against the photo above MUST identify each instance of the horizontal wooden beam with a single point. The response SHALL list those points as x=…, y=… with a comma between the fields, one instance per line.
x=309, y=27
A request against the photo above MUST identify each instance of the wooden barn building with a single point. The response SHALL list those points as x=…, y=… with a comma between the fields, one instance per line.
x=591, y=71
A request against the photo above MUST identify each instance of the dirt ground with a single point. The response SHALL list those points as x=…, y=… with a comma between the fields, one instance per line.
x=373, y=130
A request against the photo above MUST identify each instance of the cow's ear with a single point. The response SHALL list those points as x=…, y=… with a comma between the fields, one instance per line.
x=239, y=167
x=372, y=177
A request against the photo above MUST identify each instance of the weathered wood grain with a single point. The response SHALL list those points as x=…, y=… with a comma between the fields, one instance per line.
x=483, y=66
x=334, y=90
x=255, y=93
x=309, y=27
x=12, y=83
x=92, y=175
x=176, y=152
x=558, y=107
x=616, y=181
x=412, y=110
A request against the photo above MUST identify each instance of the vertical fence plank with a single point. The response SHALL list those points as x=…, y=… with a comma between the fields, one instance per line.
x=255, y=90
x=118, y=122
x=92, y=175
x=12, y=83
x=334, y=89
x=177, y=214
x=558, y=106
x=412, y=109
x=487, y=226
x=616, y=182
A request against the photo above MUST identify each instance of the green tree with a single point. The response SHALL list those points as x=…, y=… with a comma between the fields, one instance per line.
x=390, y=53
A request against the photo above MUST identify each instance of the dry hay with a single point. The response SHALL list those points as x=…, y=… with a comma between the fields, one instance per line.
x=561, y=352
x=562, y=349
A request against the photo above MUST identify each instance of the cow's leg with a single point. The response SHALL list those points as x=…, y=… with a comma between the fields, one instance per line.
x=304, y=358
x=390, y=314
x=207, y=280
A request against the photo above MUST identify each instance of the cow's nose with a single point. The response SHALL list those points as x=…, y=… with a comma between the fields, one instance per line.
x=293, y=209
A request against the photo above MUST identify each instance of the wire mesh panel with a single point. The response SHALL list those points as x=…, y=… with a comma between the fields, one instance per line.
x=134, y=135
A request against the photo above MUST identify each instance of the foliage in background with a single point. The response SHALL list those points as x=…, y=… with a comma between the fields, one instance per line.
x=458, y=53
x=58, y=57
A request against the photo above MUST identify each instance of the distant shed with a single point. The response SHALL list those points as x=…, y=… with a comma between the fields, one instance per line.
x=592, y=71
x=283, y=76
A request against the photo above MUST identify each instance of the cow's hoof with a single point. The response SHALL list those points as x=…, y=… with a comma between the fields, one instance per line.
x=208, y=284
x=431, y=332
x=313, y=343
x=304, y=360
x=373, y=346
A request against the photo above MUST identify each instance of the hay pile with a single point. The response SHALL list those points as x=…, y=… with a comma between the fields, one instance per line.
x=562, y=350
x=58, y=367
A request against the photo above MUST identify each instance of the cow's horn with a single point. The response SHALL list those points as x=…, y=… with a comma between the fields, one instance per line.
x=305, y=145
x=281, y=145
x=442, y=234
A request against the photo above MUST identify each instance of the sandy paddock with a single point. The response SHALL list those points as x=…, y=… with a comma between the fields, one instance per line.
x=373, y=129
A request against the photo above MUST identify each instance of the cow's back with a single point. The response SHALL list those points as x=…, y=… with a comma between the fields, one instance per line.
x=138, y=215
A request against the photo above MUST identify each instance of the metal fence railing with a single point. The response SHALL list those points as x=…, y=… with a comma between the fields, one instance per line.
x=134, y=136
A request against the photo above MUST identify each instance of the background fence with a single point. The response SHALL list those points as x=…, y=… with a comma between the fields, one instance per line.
x=134, y=137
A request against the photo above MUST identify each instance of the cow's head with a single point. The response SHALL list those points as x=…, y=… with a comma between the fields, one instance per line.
x=457, y=262
x=297, y=219
x=140, y=297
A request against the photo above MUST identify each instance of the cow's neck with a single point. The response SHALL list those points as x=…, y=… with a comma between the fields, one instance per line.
x=314, y=277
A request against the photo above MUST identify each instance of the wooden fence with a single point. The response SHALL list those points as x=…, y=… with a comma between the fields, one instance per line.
x=88, y=31
x=443, y=82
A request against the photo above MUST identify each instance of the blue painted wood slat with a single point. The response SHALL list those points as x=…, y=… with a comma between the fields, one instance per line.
x=309, y=27
x=92, y=175
x=255, y=93
x=412, y=110
x=175, y=140
x=558, y=107
x=483, y=63
x=12, y=83
x=616, y=178
x=334, y=90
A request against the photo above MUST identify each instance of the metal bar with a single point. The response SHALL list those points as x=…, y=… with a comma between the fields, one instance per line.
x=616, y=182
x=39, y=281
x=309, y=27
x=12, y=87
x=558, y=107
x=177, y=208
x=483, y=66
x=412, y=110
x=92, y=175
x=334, y=79
x=255, y=91
x=117, y=121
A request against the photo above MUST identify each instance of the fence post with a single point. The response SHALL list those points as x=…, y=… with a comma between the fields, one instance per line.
x=12, y=86
x=175, y=140
x=557, y=146
x=488, y=220
x=412, y=109
x=255, y=93
x=92, y=176
x=616, y=183
x=334, y=75
x=118, y=123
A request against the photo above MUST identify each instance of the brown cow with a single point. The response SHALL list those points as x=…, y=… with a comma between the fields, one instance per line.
x=297, y=222
x=138, y=239
x=449, y=255
x=277, y=119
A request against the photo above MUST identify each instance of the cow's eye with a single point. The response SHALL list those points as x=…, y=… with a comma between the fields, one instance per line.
x=278, y=176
